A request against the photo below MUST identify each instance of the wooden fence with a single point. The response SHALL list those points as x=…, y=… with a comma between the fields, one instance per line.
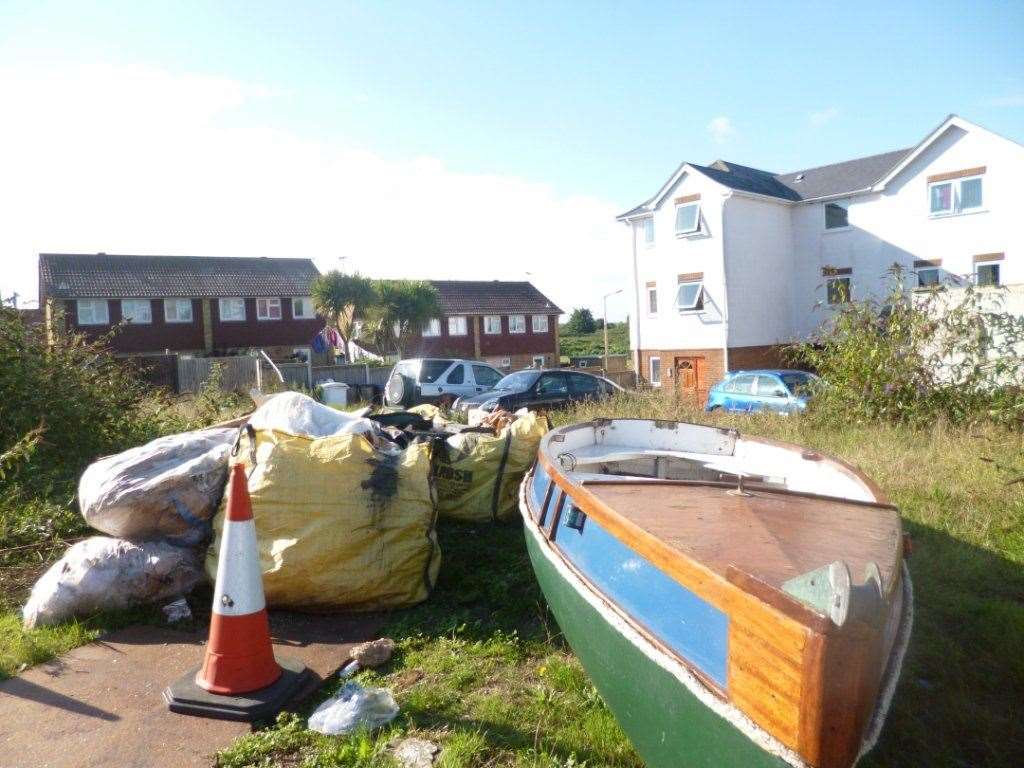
x=236, y=373
x=625, y=379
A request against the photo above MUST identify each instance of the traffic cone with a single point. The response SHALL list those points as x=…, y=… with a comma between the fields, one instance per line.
x=239, y=679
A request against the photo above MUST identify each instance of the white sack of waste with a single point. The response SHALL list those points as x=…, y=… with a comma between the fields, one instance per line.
x=301, y=415
x=101, y=573
x=167, y=488
x=353, y=707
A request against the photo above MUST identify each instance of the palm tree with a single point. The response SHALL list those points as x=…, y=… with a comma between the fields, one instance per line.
x=341, y=298
x=401, y=310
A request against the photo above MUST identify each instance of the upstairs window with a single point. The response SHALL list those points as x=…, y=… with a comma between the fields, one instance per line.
x=492, y=324
x=92, y=312
x=953, y=196
x=231, y=310
x=517, y=323
x=457, y=325
x=138, y=311
x=302, y=308
x=836, y=215
x=687, y=218
x=690, y=297
x=177, y=310
x=540, y=323
x=268, y=309
x=987, y=273
x=432, y=327
x=649, y=230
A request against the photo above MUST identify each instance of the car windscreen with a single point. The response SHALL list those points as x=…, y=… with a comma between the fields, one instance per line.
x=431, y=370
x=800, y=384
x=517, y=382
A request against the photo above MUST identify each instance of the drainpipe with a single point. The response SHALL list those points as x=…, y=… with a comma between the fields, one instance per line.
x=636, y=298
x=725, y=292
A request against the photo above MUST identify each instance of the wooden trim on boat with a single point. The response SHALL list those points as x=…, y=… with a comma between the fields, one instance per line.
x=779, y=600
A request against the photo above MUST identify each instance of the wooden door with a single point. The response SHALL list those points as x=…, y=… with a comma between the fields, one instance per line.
x=691, y=380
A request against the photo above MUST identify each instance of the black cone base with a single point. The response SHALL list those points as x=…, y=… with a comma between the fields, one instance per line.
x=187, y=698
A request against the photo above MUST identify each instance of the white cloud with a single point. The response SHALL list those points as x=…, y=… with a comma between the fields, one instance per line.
x=823, y=117
x=136, y=160
x=1011, y=100
x=721, y=129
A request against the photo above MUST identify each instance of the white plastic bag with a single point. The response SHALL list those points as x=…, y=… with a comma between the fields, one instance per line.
x=301, y=415
x=169, y=487
x=101, y=573
x=352, y=707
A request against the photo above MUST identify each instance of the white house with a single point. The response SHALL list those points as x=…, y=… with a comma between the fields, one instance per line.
x=729, y=261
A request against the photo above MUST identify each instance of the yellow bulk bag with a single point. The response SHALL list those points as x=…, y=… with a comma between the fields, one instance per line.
x=477, y=475
x=339, y=524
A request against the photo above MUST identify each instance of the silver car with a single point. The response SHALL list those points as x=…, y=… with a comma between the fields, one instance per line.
x=438, y=380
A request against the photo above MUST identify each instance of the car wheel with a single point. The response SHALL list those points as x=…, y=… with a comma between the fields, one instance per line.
x=398, y=390
x=714, y=408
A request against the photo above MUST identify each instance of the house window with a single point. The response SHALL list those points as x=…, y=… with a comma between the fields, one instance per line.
x=946, y=198
x=92, y=312
x=137, y=311
x=655, y=365
x=178, y=310
x=302, y=308
x=838, y=290
x=986, y=273
x=836, y=215
x=505, y=362
x=492, y=324
x=540, y=323
x=231, y=310
x=517, y=323
x=649, y=230
x=432, y=327
x=268, y=309
x=928, y=277
x=457, y=325
x=302, y=354
x=690, y=297
x=652, y=300
x=687, y=218
x=538, y=361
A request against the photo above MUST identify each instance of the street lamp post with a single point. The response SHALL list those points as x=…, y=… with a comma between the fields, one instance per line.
x=605, y=321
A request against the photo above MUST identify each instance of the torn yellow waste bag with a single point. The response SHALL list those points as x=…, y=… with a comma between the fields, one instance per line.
x=478, y=475
x=339, y=524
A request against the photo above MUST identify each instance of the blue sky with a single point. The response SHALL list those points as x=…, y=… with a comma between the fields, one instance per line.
x=590, y=102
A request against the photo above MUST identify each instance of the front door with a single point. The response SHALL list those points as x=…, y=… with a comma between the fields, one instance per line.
x=691, y=380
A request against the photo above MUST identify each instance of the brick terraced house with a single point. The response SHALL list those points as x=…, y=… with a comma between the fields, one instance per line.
x=185, y=304
x=511, y=325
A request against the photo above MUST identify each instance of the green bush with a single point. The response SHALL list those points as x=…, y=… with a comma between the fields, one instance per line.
x=916, y=357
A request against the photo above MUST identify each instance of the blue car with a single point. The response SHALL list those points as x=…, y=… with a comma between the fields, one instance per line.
x=780, y=391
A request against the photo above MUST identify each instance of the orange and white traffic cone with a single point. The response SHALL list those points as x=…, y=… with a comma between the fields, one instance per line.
x=239, y=679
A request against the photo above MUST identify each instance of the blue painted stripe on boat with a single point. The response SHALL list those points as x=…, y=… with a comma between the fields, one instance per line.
x=540, y=484
x=691, y=627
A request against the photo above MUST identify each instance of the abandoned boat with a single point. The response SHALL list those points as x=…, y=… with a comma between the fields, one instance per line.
x=736, y=601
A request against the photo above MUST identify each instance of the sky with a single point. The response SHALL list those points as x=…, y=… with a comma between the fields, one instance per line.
x=481, y=140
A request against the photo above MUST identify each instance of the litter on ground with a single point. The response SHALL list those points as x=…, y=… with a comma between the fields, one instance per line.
x=354, y=707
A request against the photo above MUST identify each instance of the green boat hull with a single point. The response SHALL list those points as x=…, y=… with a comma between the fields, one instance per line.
x=668, y=725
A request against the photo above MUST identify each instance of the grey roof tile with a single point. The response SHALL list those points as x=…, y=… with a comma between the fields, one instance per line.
x=842, y=178
x=492, y=297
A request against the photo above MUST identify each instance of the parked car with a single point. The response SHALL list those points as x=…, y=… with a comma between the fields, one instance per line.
x=539, y=389
x=781, y=391
x=438, y=380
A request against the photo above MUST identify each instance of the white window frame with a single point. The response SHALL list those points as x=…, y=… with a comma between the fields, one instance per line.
x=697, y=304
x=432, y=328
x=506, y=362
x=177, y=304
x=938, y=274
x=146, y=317
x=955, y=195
x=228, y=317
x=517, y=323
x=990, y=263
x=93, y=317
x=696, y=223
x=457, y=328
x=655, y=382
x=302, y=303
x=648, y=230
x=652, y=306
x=492, y=325
x=307, y=351
x=263, y=306
x=542, y=326
x=539, y=360
x=849, y=290
x=845, y=205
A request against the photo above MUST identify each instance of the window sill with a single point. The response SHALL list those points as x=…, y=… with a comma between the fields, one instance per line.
x=688, y=235
x=691, y=311
x=232, y=320
x=956, y=214
x=92, y=325
x=177, y=322
x=268, y=319
x=832, y=230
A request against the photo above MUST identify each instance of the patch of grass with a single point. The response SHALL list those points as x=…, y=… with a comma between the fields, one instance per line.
x=573, y=344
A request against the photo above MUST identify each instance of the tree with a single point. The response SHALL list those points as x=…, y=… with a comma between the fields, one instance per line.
x=402, y=309
x=341, y=298
x=580, y=321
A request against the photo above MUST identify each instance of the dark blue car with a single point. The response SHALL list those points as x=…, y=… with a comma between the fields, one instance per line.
x=780, y=391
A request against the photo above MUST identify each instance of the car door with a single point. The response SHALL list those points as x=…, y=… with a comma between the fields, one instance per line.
x=550, y=391
x=433, y=377
x=738, y=393
x=770, y=394
x=458, y=381
x=583, y=387
x=484, y=378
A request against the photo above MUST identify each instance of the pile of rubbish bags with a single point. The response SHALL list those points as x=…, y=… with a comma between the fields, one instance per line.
x=345, y=507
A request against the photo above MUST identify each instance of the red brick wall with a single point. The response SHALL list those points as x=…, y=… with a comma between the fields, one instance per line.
x=505, y=344
x=714, y=362
x=749, y=358
x=144, y=337
x=257, y=333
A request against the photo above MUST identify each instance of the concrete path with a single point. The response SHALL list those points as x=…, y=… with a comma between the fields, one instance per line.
x=101, y=704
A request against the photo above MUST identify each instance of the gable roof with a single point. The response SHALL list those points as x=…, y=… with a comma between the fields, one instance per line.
x=73, y=275
x=481, y=297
